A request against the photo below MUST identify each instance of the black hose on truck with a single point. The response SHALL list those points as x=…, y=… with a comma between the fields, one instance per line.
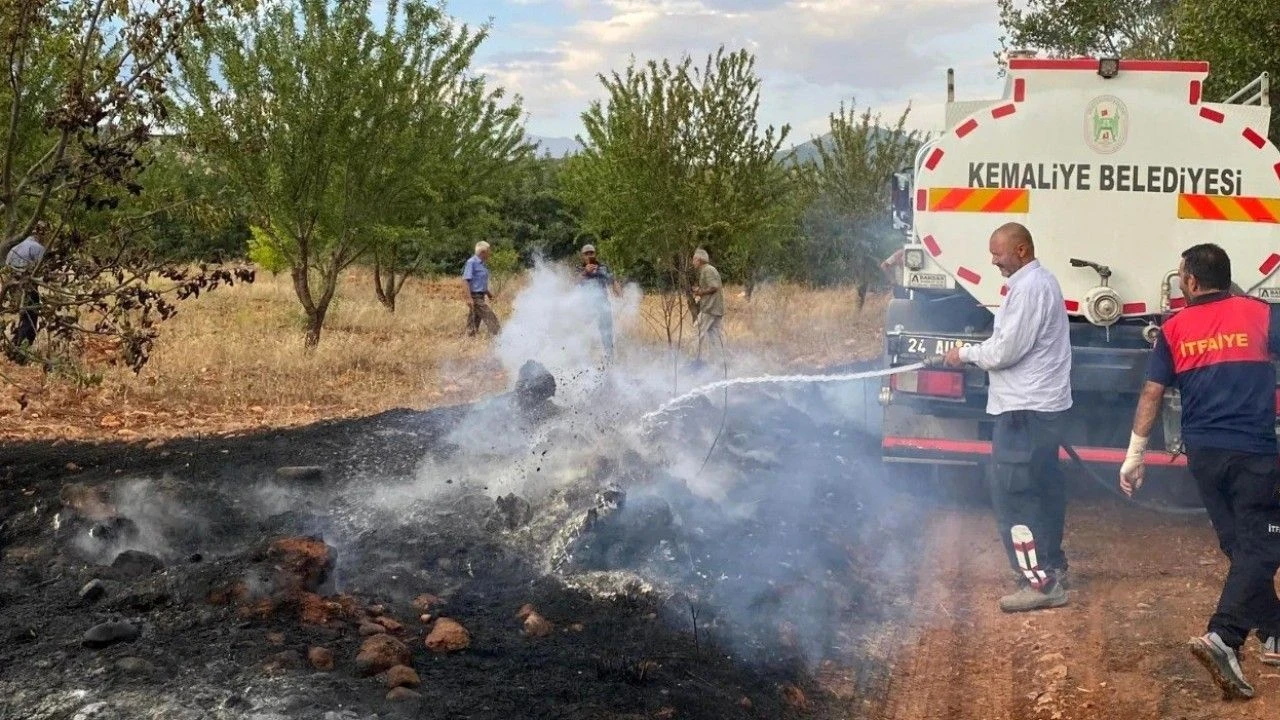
x=1112, y=487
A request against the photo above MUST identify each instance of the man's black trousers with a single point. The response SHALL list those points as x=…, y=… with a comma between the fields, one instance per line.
x=1027, y=483
x=1239, y=491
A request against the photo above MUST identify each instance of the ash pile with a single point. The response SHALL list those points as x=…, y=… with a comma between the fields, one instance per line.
x=523, y=557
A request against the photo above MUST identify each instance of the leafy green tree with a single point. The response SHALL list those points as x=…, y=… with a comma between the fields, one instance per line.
x=1117, y=28
x=466, y=147
x=849, y=224
x=673, y=159
x=86, y=82
x=1238, y=40
x=537, y=216
x=329, y=126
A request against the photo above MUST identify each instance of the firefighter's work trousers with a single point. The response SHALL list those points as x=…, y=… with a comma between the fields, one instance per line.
x=1239, y=491
x=1027, y=483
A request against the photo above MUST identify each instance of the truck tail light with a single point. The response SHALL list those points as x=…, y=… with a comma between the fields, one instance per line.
x=939, y=383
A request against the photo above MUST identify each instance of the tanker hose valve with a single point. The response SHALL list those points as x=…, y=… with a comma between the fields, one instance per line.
x=1103, y=271
x=1102, y=306
x=1150, y=333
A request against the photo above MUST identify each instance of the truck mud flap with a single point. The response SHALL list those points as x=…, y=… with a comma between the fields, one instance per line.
x=916, y=449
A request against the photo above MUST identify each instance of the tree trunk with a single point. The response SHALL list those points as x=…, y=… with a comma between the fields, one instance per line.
x=386, y=295
x=315, y=309
x=315, y=321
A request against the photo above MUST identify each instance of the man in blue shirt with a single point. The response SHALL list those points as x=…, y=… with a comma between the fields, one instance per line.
x=1218, y=353
x=599, y=281
x=475, y=277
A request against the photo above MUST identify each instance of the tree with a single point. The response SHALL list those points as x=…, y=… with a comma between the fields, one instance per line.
x=327, y=125
x=86, y=82
x=1116, y=28
x=467, y=148
x=1238, y=40
x=674, y=159
x=536, y=215
x=849, y=223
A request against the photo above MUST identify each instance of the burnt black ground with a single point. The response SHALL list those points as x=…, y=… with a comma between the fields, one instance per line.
x=813, y=571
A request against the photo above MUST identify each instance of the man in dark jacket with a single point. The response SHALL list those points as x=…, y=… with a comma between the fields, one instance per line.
x=1217, y=352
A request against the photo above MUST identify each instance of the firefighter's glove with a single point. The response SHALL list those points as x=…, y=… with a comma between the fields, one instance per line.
x=1132, y=471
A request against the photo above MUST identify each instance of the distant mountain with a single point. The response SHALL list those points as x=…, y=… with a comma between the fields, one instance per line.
x=806, y=151
x=555, y=146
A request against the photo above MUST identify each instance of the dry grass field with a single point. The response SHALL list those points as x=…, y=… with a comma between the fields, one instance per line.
x=233, y=360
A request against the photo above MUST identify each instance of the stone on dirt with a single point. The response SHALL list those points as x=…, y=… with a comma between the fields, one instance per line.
x=525, y=611
x=93, y=591
x=379, y=654
x=448, y=636
x=426, y=601
x=304, y=562
x=537, y=626
x=109, y=633
x=402, y=676
x=321, y=658
x=369, y=629
x=402, y=694
x=300, y=472
x=136, y=564
x=391, y=624
x=534, y=385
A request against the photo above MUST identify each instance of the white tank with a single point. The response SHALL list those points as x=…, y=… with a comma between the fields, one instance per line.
x=1125, y=172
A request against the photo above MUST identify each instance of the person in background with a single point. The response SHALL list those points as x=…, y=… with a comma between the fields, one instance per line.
x=599, y=281
x=21, y=260
x=1218, y=352
x=710, y=295
x=475, y=277
x=1028, y=362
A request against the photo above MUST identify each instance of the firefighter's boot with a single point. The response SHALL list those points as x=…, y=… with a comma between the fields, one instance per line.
x=1028, y=598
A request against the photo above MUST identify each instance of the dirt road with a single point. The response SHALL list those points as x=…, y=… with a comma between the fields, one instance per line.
x=1142, y=584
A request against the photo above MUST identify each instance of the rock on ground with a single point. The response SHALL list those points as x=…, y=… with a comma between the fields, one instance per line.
x=379, y=654
x=402, y=676
x=448, y=636
x=136, y=564
x=110, y=633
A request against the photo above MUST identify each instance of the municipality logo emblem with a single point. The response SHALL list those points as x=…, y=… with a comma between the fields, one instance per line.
x=1106, y=124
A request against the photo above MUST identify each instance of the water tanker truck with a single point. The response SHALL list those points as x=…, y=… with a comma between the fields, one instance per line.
x=1115, y=166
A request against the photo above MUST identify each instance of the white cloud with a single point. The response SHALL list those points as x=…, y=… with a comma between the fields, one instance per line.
x=810, y=53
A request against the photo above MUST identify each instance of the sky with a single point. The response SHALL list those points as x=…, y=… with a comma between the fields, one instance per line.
x=810, y=54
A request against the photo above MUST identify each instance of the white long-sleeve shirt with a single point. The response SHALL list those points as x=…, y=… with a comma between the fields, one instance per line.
x=1028, y=356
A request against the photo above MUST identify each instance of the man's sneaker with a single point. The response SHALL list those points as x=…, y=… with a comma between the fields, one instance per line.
x=1029, y=598
x=1222, y=664
x=1270, y=654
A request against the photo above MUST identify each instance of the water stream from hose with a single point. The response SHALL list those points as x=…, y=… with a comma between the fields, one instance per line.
x=676, y=402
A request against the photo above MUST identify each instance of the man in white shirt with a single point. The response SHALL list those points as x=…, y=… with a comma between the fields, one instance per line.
x=1028, y=361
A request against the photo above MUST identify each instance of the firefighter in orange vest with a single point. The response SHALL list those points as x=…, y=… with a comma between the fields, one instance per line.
x=1217, y=352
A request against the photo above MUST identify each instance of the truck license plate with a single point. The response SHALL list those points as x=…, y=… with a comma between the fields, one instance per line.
x=915, y=345
x=936, y=281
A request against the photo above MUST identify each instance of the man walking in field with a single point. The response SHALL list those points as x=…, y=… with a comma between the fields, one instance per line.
x=710, y=295
x=599, y=281
x=1028, y=361
x=21, y=260
x=1218, y=353
x=475, y=277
